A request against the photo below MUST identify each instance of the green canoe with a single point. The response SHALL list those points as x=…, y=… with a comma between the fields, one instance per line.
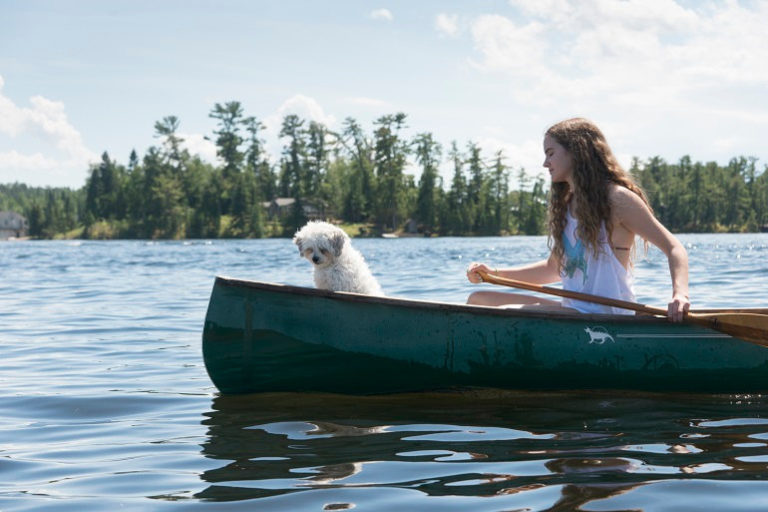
x=262, y=337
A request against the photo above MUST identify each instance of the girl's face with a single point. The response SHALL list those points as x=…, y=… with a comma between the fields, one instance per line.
x=558, y=161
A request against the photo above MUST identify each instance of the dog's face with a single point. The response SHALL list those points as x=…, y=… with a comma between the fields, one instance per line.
x=321, y=243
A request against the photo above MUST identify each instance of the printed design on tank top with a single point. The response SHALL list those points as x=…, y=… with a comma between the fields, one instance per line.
x=574, y=258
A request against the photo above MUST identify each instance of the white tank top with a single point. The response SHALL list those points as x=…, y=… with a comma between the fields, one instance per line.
x=603, y=275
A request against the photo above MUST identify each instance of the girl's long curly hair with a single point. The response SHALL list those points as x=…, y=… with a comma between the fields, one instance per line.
x=594, y=169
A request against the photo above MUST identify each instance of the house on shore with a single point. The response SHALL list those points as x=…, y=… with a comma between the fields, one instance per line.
x=281, y=208
x=12, y=225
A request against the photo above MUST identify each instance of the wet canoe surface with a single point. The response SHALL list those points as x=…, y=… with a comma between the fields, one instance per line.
x=263, y=337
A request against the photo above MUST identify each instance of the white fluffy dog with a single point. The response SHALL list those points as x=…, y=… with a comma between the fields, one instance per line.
x=338, y=266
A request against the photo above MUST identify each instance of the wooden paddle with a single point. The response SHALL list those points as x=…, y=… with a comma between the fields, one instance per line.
x=750, y=327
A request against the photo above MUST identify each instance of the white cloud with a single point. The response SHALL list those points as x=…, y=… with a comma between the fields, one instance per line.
x=49, y=118
x=198, y=144
x=61, y=157
x=302, y=106
x=11, y=117
x=649, y=51
x=589, y=14
x=447, y=24
x=15, y=161
x=36, y=169
x=382, y=14
x=506, y=46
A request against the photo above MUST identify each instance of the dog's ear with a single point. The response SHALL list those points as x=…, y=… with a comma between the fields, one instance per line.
x=337, y=241
x=297, y=240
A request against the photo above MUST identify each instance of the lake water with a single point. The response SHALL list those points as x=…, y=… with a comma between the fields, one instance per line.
x=105, y=403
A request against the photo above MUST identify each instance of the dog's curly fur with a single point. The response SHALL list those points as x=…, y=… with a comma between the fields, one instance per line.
x=338, y=266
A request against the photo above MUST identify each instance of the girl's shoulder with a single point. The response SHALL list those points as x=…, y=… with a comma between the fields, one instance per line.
x=620, y=194
x=624, y=200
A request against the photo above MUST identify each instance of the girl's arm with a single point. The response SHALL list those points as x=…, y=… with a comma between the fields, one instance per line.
x=540, y=272
x=635, y=215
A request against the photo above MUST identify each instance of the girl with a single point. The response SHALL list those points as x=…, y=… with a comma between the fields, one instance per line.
x=595, y=212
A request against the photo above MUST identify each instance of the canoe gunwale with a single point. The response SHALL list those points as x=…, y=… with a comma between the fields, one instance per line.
x=426, y=304
x=468, y=308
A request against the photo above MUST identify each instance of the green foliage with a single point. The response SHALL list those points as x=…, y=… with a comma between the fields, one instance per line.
x=355, y=173
x=293, y=167
x=697, y=197
x=455, y=218
x=354, y=177
x=48, y=210
x=390, y=158
x=228, y=140
x=428, y=156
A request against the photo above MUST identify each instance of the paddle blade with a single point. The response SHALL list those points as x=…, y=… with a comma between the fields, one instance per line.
x=745, y=326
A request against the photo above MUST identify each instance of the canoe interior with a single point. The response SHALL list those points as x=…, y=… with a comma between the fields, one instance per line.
x=262, y=337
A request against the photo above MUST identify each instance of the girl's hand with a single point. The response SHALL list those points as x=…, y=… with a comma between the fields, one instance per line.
x=474, y=268
x=677, y=309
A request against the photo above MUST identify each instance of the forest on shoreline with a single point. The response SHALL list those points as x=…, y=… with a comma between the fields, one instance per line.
x=355, y=178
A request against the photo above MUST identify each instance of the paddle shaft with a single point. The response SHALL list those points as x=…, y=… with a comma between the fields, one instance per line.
x=586, y=297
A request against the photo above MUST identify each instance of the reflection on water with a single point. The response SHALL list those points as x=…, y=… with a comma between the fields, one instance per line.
x=484, y=449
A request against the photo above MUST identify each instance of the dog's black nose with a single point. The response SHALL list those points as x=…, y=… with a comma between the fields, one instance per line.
x=315, y=259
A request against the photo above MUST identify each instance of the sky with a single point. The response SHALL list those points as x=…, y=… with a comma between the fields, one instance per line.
x=660, y=77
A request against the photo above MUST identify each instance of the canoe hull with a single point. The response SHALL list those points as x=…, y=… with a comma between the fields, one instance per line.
x=261, y=337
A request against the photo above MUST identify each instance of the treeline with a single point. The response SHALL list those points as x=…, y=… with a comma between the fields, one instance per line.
x=48, y=210
x=350, y=176
x=698, y=197
x=353, y=176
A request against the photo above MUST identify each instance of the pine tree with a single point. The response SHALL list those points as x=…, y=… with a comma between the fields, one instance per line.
x=389, y=162
x=293, y=178
x=428, y=155
x=358, y=201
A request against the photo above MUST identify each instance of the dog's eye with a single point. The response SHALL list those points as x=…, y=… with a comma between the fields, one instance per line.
x=307, y=252
x=324, y=251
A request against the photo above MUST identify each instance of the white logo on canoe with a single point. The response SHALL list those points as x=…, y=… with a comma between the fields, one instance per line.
x=598, y=335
